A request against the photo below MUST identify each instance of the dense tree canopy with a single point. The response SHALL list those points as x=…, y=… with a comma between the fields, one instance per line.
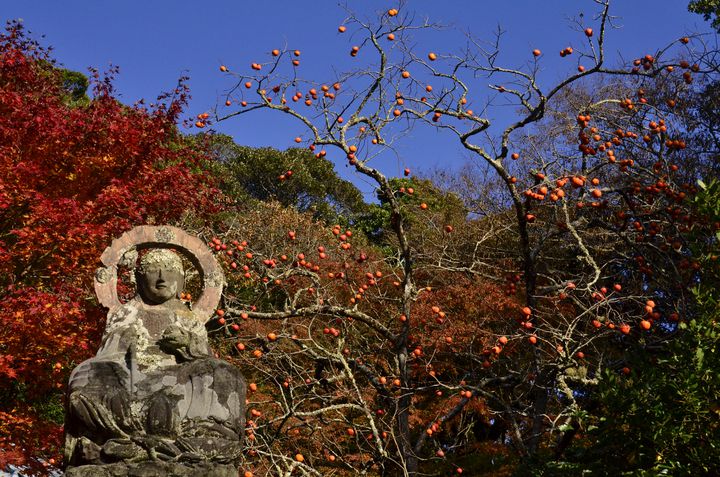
x=709, y=9
x=295, y=178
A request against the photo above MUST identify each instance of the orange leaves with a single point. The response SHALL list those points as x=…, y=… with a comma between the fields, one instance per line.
x=23, y=438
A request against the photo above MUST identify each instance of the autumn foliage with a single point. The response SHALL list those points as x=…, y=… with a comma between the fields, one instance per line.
x=580, y=259
x=73, y=177
x=473, y=327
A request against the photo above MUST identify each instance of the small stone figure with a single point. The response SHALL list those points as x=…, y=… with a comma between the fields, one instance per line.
x=154, y=400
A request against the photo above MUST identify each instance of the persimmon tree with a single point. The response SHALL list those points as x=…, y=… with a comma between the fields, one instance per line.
x=666, y=410
x=588, y=244
x=411, y=338
x=309, y=315
x=74, y=174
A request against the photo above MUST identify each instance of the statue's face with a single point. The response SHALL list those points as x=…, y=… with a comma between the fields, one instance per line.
x=159, y=284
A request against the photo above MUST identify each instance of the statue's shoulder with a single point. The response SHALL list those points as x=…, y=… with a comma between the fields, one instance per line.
x=123, y=314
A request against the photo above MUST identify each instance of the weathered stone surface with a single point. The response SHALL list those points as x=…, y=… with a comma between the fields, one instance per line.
x=154, y=401
x=152, y=469
x=123, y=449
x=124, y=248
x=90, y=471
x=89, y=451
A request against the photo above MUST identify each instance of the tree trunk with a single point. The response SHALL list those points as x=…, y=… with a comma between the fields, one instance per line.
x=538, y=412
x=407, y=454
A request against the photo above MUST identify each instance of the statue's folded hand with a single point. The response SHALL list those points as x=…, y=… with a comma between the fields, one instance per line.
x=182, y=343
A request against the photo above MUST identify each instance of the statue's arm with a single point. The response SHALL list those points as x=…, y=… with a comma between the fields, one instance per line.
x=200, y=344
x=118, y=338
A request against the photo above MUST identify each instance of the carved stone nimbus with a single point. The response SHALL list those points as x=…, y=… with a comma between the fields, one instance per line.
x=154, y=400
x=164, y=234
x=146, y=237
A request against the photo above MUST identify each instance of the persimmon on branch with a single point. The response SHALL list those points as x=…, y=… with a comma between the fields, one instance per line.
x=322, y=310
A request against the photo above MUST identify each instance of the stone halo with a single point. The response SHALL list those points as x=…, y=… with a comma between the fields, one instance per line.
x=164, y=236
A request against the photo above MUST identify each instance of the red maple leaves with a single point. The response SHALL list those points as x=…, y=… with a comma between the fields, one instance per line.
x=73, y=174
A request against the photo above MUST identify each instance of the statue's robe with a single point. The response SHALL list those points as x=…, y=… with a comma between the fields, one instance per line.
x=154, y=391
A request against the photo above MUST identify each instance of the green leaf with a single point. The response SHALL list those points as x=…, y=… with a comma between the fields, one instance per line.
x=699, y=355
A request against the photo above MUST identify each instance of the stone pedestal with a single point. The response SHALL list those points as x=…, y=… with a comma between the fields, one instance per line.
x=153, y=469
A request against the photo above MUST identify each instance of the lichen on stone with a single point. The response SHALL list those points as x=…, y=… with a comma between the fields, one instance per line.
x=164, y=234
x=129, y=258
x=214, y=279
x=161, y=258
x=102, y=275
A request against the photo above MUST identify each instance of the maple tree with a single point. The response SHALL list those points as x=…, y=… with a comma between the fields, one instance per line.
x=75, y=174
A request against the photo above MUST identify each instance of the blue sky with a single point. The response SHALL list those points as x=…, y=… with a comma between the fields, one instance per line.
x=155, y=41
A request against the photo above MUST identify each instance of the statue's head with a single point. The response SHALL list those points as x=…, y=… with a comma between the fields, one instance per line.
x=160, y=276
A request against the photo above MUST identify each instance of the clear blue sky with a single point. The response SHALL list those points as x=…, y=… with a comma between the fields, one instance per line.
x=155, y=41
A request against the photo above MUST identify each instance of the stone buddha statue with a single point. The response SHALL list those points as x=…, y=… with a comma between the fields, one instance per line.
x=154, y=400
